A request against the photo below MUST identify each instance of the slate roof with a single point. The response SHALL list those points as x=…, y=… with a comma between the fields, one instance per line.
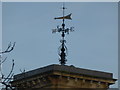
x=64, y=68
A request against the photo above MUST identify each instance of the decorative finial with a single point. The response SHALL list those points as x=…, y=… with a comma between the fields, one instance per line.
x=63, y=49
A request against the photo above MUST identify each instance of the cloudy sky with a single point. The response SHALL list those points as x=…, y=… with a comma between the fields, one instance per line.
x=93, y=45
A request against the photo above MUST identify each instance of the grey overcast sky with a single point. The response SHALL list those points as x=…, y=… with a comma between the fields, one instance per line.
x=93, y=45
x=0, y=26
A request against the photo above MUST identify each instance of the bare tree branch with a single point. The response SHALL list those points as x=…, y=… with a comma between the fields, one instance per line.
x=9, y=45
x=9, y=48
x=6, y=80
x=10, y=78
x=10, y=71
x=4, y=60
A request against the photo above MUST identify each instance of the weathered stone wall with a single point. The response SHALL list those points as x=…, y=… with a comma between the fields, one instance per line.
x=58, y=79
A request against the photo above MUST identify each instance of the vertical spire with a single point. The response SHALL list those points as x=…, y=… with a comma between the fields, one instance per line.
x=63, y=49
x=63, y=8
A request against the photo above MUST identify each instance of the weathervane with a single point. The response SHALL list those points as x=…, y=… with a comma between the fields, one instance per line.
x=63, y=49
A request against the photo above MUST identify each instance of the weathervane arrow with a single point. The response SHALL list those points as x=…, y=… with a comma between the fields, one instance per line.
x=65, y=17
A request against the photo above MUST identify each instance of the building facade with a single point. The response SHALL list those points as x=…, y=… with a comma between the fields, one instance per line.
x=63, y=76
